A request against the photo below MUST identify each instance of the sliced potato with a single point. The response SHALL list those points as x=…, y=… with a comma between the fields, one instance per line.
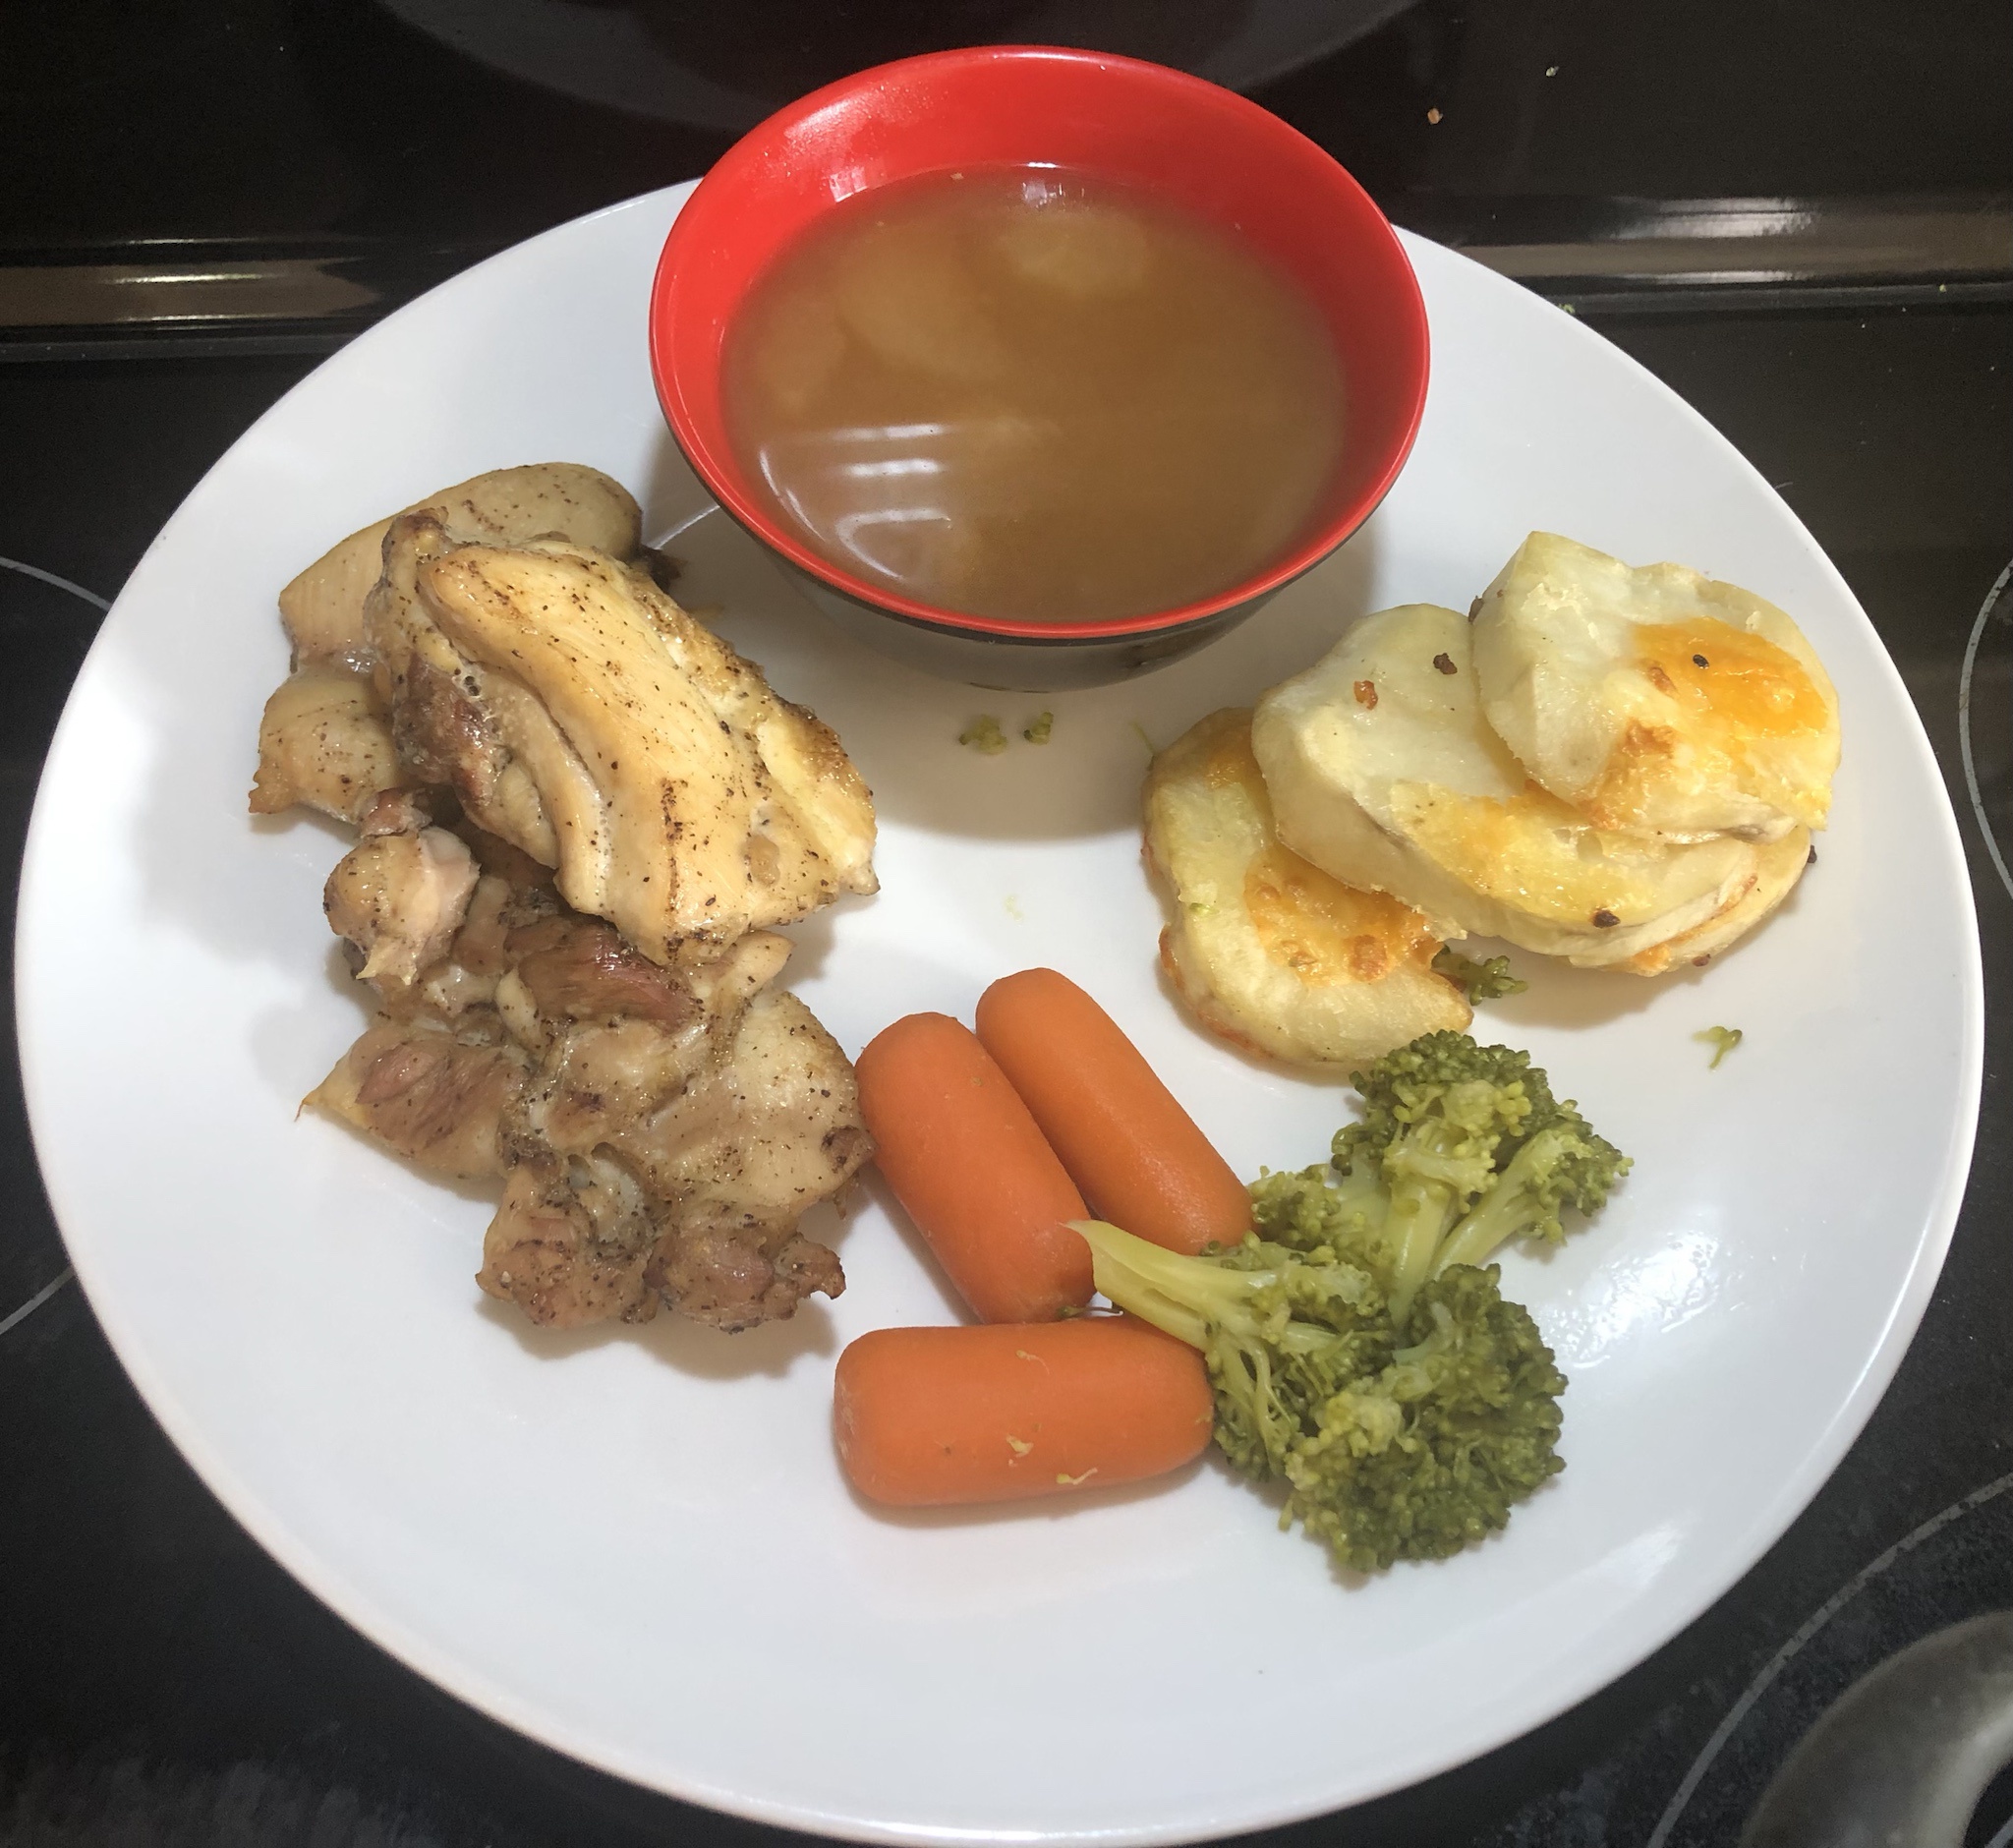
x=1655, y=700
x=1268, y=949
x=1383, y=773
x=1779, y=864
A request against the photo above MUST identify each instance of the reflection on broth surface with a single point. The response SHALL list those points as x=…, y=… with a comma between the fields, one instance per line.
x=1036, y=396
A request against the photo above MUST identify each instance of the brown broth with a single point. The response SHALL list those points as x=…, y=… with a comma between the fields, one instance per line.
x=1030, y=395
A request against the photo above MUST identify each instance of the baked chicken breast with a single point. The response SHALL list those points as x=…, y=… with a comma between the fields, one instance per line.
x=578, y=815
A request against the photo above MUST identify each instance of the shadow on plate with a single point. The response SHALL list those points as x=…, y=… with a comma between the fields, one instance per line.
x=1047, y=1508
x=1561, y=996
x=812, y=939
x=872, y=1186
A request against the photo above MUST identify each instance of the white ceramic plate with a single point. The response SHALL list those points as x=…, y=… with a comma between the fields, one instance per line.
x=636, y=1545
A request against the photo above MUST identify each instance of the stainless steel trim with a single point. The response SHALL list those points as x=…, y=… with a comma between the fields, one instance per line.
x=1750, y=242
x=134, y=294
x=1626, y=255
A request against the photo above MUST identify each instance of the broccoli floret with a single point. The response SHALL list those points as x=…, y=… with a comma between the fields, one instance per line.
x=1304, y=1212
x=1565, y=1164
x=1439, y=1118
x=1280, y=1333
x=1411, y=1086
x=1470, y=1148
x=1396, y=1439
x=1358, y=1354
x=1479, y=981
x=1432, y=1453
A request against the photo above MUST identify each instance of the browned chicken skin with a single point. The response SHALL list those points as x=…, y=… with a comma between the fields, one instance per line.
x=660, y=1116
x=661, y=1133
x=578, y=712
x=563, y=1262
x=324, y=607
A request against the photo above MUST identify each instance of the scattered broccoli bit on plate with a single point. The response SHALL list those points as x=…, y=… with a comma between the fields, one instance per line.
x=1359, y=1344
x=1039, y=727
x=1481, y=981
x=1722, y=1040
x=984, y=734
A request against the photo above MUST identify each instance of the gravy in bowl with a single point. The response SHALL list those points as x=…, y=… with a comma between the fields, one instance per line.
x=1035, y=395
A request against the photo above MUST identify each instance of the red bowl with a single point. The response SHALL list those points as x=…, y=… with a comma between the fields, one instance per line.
x=1022, y=106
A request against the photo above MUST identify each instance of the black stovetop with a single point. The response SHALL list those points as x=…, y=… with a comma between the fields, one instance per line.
x=285, y=170
x=430, y=122
x=161, y=1681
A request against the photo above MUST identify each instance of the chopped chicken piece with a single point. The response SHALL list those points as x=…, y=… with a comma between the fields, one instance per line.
x=620, y=1037
x=774, y=1129
x=730, y=980
x=496, y=855
x=480, y=957
x=324, y=607
x=444, y=737
x=601, y=1037
x=571, y=1247
x=660, y=1132
x=581, y=715
x=400, y=899
x=395, y=812
x=574, y=969
x=325, y=740
x=732, y=1165
x=595, y=1078
x=732, y=1281
x=431, y=1093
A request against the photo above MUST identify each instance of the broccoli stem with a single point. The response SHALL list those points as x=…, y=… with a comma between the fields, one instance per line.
x=1514, y=1206
x=1361, y=1195
x=1420, y=1212
x=1177, y=1295
x=1433, y=1171
x=1275, y=1332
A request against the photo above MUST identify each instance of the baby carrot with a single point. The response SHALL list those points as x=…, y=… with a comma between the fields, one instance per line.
x=1122, y=1137
x=934, y=1416
x=967, y=1162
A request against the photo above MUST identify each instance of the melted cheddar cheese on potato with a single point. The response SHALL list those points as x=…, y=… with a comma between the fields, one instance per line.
x=1266, y=948
x=1384, y=772
x=1655, y=700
